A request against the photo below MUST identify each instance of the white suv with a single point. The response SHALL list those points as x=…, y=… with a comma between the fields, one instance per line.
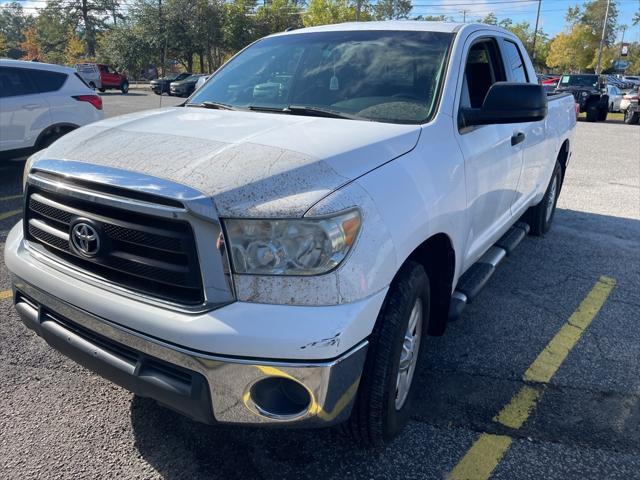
x=39, y=103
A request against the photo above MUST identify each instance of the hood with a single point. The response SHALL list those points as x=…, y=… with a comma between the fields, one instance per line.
x=252, y=164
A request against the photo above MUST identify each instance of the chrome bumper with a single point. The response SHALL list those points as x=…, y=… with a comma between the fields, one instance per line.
x=331, y=385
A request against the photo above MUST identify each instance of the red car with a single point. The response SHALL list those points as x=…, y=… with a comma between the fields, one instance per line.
x=102, y=77
x=112, y=79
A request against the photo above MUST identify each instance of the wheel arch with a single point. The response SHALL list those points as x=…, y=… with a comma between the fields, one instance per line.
x=64, y=127
x=563, y=156
x=437, y=256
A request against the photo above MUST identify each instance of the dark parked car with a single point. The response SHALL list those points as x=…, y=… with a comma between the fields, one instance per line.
x=184, y=87
x=161, y=85
x=590, y=92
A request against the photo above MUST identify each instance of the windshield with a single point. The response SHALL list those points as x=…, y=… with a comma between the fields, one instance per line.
x=387, y=76
x=579, y=81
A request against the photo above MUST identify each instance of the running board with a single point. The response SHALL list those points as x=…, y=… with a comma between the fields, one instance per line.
x=476, y=277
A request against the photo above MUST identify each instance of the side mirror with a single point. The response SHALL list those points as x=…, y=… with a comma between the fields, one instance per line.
x=507, y=102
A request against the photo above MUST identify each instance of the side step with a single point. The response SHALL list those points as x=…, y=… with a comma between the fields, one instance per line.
x=476, y=277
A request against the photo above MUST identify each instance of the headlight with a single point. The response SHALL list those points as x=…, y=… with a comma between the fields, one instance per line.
x=306, y=246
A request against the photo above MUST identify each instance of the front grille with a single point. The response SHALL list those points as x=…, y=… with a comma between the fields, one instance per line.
x=152, y=255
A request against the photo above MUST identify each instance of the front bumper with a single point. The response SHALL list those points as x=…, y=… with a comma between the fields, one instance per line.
x=205, y=387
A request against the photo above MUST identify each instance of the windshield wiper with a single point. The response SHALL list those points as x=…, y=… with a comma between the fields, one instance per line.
x=304, y=110
x=212, y=105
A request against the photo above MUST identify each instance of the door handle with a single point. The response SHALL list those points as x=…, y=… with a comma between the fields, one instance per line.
x=32, y=106
x=517, y=138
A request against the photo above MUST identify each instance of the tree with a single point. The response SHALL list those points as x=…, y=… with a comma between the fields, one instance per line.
x=434, y=18
x=30, y=46
x=277, y=16
x=323, y=12
x=74, y=51
x=13, y=25
x=88, y=15
x=572, y=51
x=392, y=9
x=490, y=19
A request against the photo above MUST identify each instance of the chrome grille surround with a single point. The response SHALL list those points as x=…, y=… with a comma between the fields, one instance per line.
x=141, y=195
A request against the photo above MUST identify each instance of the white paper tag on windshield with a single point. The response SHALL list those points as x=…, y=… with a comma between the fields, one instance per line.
x=334, y=84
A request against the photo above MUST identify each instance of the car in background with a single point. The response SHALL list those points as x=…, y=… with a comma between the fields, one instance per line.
x=39, y=104
x=590, y=92
x=103, y=77
x=202, y=80
x=615, y=97
x=161, y=85
x=632, y=113
x=629, y=99
x=184, y=87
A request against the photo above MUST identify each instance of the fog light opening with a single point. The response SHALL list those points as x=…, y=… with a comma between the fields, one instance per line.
x=280, y=398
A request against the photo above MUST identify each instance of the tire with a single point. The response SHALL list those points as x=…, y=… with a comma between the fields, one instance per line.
x=593, y=113
x=602, y=114
x=631, y=118
x=540, y=216
x=381, y=409
x=92, y=85
x=102, y=90
x=52, y=136
x=124, y=88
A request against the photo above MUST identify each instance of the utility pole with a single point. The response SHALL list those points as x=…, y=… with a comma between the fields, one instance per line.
x=604, y=31
x=535, y=32
x=464, y=16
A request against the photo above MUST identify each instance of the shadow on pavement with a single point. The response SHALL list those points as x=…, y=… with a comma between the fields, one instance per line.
x=470, y=373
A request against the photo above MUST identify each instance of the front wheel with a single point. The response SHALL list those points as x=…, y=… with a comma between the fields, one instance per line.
x=540, y=217
x=631, y=118
x=102, y=90
x=124, y=88
x=602, y=114
x=396, y=351
x=592, y=113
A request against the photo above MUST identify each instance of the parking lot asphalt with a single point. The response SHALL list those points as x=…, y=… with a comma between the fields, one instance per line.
x=58, y=420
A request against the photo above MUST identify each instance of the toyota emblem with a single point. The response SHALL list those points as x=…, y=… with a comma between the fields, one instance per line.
x=85, y=239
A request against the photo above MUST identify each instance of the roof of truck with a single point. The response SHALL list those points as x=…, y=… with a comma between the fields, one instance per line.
x=401, y=25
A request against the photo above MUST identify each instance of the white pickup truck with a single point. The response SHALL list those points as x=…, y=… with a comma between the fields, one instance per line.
x=277, y=249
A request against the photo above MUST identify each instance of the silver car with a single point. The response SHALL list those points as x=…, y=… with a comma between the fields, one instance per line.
x=615, y=97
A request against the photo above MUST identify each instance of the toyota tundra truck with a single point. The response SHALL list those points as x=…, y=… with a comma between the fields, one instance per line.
x=277, y=250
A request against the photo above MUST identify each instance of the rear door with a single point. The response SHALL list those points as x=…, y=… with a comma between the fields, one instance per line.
x=535, y=149
x=24, y=113
x=492, y=161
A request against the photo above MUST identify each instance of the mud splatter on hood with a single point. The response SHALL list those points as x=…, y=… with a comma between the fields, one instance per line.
x=252, y=164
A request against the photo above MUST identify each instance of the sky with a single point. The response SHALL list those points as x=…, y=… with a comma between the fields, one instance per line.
x=551, y=12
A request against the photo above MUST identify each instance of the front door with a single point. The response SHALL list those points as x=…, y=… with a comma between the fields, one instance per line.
x=492, y=154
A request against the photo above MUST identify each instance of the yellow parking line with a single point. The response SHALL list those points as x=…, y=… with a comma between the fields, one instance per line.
x=516, y=412
x=488, y=450
x=5, y=215
x=12, y=197
x=546, y=365
x=482, y=458
x=6, y=294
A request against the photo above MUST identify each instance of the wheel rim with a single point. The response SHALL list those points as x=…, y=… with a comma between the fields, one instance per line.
x=409, y=354
x=552, y=197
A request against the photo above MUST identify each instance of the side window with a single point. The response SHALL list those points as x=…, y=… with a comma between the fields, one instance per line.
x=483, y=69
x=47, y=81
x=14, y=82
x=515, y=62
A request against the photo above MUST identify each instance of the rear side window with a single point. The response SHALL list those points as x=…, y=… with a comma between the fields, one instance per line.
x=15, y=82
x=45, y=81
x=515, y=62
